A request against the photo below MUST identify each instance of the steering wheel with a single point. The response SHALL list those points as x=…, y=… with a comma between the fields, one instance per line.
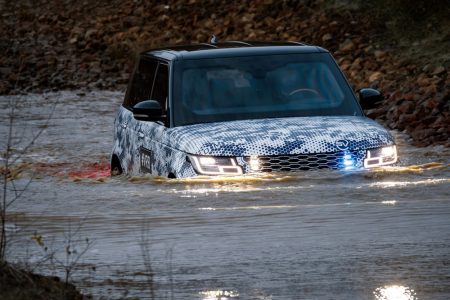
x=310, y=91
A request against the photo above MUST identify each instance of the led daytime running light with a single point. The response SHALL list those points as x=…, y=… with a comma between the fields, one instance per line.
x=381, y=156
x=207, y=165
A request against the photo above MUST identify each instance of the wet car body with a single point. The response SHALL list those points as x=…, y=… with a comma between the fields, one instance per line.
x=222, y=109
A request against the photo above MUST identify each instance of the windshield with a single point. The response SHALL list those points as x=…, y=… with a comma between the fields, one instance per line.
x=256, y=87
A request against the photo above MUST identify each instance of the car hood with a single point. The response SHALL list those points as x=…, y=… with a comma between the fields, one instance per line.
x=297, y=135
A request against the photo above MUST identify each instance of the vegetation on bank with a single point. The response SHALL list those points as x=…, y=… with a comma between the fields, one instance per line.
x=18, y=284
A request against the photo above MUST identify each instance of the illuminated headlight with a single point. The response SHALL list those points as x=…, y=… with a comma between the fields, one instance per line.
x=380, y=156
x=348, y=162
x=208, y=165
x=254, y=163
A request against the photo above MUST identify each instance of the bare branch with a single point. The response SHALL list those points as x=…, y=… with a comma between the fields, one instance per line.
x=18, y=195
x=145, y=249
x=9, y=158
x=36, y=136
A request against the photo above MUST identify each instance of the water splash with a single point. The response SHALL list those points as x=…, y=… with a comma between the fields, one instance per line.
x=91, y=171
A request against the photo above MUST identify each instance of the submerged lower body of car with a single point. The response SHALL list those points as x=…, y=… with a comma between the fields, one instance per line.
x=181, y=165
x=341, y=160
x=251, y=146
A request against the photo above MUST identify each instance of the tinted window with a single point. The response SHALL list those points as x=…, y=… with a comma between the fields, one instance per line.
x=237, y=88
x=140, y=87
x=161, y=87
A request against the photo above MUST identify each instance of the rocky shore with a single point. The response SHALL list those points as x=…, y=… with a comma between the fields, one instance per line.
x=52, y=45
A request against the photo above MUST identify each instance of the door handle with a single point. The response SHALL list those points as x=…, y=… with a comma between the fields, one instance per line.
x=141, y=135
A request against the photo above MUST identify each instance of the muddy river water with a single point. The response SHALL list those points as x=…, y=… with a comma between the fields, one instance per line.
x=383, y=234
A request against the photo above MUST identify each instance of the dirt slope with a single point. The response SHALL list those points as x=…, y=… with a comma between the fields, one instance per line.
x=77, y=44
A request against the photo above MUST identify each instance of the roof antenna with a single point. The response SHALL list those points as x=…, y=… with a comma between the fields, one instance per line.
x=214, y=40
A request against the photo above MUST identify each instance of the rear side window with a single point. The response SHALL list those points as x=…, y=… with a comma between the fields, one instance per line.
x=140, y=87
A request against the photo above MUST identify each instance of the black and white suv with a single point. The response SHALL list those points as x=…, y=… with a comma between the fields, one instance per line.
x=234, y=108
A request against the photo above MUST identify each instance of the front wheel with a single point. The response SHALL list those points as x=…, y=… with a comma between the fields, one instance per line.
x=116, y=168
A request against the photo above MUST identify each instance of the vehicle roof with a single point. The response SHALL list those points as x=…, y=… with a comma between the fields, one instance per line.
x=230, y=49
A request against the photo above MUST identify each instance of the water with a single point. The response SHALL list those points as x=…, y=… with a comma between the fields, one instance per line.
x=318, y=235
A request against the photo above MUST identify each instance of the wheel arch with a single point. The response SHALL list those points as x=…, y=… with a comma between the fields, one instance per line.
x=116, y=166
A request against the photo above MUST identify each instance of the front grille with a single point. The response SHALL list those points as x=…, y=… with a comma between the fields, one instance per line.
x=305, y=162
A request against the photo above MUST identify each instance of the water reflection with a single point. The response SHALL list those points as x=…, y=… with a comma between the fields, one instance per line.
x=248, y=178
x=389, y=184
x=216, y=190
x=218, y=295
x=394, y=292
x=389, y=202
x=249, y=207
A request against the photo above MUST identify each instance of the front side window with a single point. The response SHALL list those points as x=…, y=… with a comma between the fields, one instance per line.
x=238, y=88
x=161, y=87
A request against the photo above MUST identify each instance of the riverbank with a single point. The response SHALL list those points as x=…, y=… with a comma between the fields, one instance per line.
x=17, y=284
x=53, y=45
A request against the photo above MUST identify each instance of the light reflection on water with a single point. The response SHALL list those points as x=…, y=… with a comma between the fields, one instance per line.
x=394, y=292
x=257, y=207
x=389, y=202
x=218, y=295
x=206, y=185
x=226, y=188
x=249, y=207
x=389, y=184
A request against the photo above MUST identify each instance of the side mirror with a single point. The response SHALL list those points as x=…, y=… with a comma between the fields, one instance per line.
x=370, y=98
x=148, y=110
